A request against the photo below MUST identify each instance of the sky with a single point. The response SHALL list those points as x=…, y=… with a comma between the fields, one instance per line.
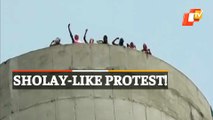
x=28, y=25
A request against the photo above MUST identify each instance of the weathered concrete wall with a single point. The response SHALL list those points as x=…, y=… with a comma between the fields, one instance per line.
x=182, y=101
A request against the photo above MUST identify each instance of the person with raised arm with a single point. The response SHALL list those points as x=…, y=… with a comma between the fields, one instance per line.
x=75, y=39
x=91, y=41
x=121, y=42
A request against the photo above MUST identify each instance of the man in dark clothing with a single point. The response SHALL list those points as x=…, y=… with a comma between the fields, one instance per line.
x=105, y=39
x=121, y=42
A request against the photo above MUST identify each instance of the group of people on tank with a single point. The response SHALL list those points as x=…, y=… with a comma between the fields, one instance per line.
x=75, y=39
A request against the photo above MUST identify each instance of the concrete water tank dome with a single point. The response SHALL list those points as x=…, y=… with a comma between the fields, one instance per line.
x=182, y=101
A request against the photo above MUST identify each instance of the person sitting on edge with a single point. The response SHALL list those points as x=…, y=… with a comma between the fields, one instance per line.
x=91, y=41
x=104, y=41
x=75, y=39
x=149, y=52
x=131, y=45
x=55, y=42
x=121, y=42
x=145, y=49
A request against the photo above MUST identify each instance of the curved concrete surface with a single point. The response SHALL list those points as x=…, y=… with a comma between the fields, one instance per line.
x=182, y=101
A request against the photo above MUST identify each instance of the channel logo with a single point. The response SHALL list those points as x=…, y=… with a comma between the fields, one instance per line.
x=194, y=15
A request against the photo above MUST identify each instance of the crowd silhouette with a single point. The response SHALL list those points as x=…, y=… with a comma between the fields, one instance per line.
x=117, y=41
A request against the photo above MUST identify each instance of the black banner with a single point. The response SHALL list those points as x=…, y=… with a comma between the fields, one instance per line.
x=90, y=80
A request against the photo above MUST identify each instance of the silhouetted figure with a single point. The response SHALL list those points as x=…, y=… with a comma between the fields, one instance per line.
x=145, y=49
x=149, y=52
x=75, y=39
x=55, y=42
x=131, y=45
x=121, y=42
x=105, y=39
x=91, y=41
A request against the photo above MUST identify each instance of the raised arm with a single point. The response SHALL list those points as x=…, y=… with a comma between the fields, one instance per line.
x=51, y=43
x=85, y=36
x=113, y=42
x=70, y=33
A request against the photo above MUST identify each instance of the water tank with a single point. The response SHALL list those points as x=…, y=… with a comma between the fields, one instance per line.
x=182, y=101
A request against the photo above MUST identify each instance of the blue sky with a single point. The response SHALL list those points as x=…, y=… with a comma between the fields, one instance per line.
x=28, y=25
